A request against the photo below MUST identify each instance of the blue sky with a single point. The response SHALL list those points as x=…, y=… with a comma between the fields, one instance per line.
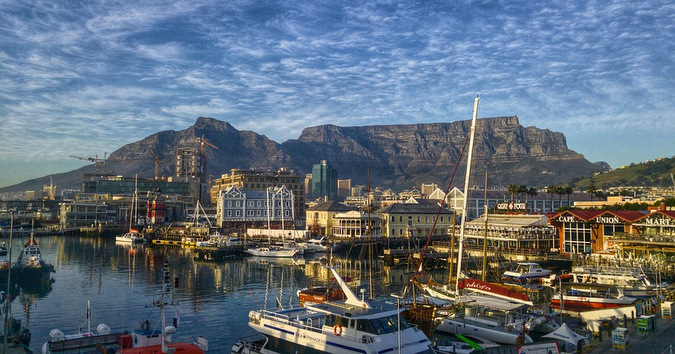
x=87, y=77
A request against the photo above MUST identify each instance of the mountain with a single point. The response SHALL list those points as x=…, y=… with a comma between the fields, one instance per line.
x=394, y=156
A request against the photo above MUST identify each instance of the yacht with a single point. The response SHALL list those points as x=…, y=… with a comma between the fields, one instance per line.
x=633, y=281
x=526, y=273
x=350, y=325
x=584, y=297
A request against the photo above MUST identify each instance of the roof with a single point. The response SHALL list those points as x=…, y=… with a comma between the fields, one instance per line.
x=506, y=220
x=411, y=208
x=585, y=214
x=330, y=205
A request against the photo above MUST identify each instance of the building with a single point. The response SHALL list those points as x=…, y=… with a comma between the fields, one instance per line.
x=259, y=180
x=344, y=188
x=354, y=224
x=515, y=234
x=238, y=208
x=128, y=185
x=414, y=220
x=593, y=231
x=428, y=188
x=308, y=184
x=188, y=163
x=320, y=217
x=324, y=181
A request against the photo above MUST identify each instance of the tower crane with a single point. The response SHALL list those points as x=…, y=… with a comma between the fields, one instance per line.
x=202, y=156
x=155, y=160
x=95, y=160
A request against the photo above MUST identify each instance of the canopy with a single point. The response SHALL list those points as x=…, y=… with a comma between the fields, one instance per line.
x=566, y=334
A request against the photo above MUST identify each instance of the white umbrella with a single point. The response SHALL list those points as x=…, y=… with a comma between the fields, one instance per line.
x=566, y=334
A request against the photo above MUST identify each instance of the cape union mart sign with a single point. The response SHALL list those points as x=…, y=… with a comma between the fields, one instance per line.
x=512, y=206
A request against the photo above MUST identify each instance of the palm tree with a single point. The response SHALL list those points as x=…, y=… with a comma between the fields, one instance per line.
x=513, y=190
x=551, y=190
x=522, y=189
x=568, y=190
x=592, y=189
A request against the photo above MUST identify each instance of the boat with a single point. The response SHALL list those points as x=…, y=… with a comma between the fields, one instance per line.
x=319, y=294
x=633, y=281
x=526, y=273
x=30, y=264
x=145, y=339
x=497, y=320
x=584, y=296
x=318, y=245
x=4, y=263
x=350, y=325
x=272, y=250
x=133, y=235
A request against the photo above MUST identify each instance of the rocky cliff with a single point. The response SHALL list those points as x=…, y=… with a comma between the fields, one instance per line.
x=398, y=156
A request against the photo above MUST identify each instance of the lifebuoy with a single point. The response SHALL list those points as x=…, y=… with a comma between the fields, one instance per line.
x=337, y=329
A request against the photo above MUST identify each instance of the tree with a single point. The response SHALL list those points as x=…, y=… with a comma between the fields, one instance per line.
x=568, y=190
x=551, y=190
x=592, y=189
x=513, y=190
x=522, y=189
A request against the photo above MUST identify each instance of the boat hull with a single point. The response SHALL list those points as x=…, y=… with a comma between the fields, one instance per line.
x=454, y=326
x=579, y=303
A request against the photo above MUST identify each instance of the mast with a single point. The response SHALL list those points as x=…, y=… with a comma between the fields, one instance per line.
x=486, y=230
x=466, y=192
x=9, y=280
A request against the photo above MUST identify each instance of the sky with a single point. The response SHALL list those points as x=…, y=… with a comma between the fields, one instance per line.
x=87, y=77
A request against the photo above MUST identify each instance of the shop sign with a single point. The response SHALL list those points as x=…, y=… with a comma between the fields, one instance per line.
x=659, y=221
x=607, y=220
x=512, y=206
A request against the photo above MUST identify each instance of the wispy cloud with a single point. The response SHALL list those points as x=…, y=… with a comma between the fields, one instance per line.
x=119, y=71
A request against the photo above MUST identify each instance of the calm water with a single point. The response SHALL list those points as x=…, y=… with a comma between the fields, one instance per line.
x=122, y=281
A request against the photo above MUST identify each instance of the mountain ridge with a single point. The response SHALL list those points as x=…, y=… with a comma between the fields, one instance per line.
x=393, y=156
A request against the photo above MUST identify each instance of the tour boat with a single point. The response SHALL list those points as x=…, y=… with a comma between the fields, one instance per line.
x=526, y=273
x=583, y=297
x=350, y=325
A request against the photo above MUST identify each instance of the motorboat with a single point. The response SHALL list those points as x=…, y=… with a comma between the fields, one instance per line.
x=526, y=273
x=350, y=325
x=633, y=281
x=584, y=296
x=318, y=245
x=273, y=251
x=133, y=236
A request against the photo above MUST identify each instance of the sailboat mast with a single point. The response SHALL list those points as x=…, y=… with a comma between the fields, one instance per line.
x=466, y=191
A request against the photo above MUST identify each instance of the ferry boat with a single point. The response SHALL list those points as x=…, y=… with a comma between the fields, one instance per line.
x=350, y=325
x=526, y=273
x=583, y=297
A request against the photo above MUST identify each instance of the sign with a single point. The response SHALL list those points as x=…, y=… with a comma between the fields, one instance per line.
x=512, y=206
x=659, y=221
x=540, y=348
x=494, y=290
x=566, y=218
x=607, y=220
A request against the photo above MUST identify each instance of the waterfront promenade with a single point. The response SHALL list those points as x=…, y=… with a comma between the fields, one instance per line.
x=662, y=340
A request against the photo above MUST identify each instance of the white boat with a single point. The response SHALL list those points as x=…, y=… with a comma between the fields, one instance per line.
x=584, y=297
x=132, y=236
x=488, y=317
x=318, y=245
x=273, y=251
x=633, y=281
x=526, y=273
x=349, y=325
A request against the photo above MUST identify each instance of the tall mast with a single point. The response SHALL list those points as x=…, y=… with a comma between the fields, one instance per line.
x=466, y=191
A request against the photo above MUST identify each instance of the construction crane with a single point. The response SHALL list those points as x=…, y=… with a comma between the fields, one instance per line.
x=156, y=165
x=202, y=156
x=155, y=160
x=95, y=160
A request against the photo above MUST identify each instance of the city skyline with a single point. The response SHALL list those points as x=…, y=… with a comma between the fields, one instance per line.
x=87, y=78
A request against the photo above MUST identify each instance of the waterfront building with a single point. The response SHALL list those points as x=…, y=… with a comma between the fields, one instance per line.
x=259, y=180
x=86, y=214
x=324, y=181
x=320, y=217
x=414, y=219
x=116, y=184
x=344, y=188
x=514, y=234
x=428, y=188
x=648, y=236
x=593, y=231
x=239, y=208
x=355, y=224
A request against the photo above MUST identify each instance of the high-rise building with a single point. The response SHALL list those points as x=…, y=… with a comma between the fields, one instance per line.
x=344, y=188
x=188, y=163
x=324, y=181
x=308, y=184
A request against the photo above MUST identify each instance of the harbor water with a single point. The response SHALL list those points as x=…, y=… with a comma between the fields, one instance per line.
x=121, y=281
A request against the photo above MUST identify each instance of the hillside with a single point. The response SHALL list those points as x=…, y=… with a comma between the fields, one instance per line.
x=656, y=173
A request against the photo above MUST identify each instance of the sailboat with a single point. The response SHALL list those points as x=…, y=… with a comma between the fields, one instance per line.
x=133, y=235
x=271, y=250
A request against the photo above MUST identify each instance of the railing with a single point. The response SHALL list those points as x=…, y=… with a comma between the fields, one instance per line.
x=295, y=322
